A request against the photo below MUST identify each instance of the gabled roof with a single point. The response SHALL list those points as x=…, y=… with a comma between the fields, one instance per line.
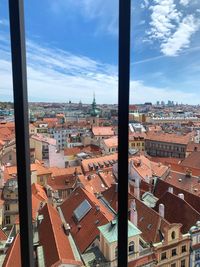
x=150, y=223
x=162, y=186
x=56, y=245
x=178, y=210
x=86, y=230
x=102, y=131
x=13, y=256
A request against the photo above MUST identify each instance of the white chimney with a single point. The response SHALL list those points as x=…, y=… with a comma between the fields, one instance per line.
x=181, y=195
x=171, y=190
x=162, y=210
x=134, y=214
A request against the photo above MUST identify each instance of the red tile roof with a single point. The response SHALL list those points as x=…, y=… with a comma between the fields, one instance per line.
x=13, y=257
x=39, y=192
x=102, y=131
x=147, y=217
x=178, y=210
x=56, y=245
x=192, y=161
x=89, y=223
x=169, y=138
x=162, y=186
x=3, y=236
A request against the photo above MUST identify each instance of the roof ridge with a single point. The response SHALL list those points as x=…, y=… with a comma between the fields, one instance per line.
x=11, y=249
x=48, y=208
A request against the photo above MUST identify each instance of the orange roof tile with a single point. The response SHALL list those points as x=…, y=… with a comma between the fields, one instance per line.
x=13, y=257
x=102, y=131
x=169, y=138
x=56, y=245
x=89, y=223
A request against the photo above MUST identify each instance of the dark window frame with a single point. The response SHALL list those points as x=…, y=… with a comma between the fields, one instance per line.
x=18, y=50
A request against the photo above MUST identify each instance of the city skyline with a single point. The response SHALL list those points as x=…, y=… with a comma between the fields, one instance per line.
x=74, y=53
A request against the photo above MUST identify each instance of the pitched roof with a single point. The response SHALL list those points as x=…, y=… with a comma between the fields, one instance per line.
x=102, y=131
x=56, y=245
x=162, y=186
x=13, y=257
x=169, y=138
x=95, y=217
x=39, y=192
x=149, y=221
x=193, y=160
x=85, y=163
x=178, y=210
x=111, y=142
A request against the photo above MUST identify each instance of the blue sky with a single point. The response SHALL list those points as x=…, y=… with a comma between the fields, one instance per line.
x=72, y=49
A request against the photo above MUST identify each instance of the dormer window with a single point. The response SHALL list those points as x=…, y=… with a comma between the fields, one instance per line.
x=131, y=247
x=173, y=235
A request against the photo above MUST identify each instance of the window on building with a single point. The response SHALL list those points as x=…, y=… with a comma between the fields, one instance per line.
x=183, y=249
x=7, y=207
x=116, y=252
x=10, y=157
x=131, y=247
x=183, y=263
x=174, y=252
x=163, y=256
x=197, y=254
x=173, y=265
x=7, y=219
x=173, y=235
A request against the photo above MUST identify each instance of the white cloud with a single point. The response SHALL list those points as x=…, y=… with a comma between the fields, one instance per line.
x=171, y=27
x=164, y=18
x=181, y=38
x=57, y=76
x=184, y=2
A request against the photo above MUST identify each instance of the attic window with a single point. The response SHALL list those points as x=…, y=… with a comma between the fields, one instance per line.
x=149, y=226
x=173, y=235
x=82, y=210
x=141, y=219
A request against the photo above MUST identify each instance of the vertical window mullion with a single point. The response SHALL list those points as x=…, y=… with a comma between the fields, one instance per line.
x=18, y=51
x=123, y=120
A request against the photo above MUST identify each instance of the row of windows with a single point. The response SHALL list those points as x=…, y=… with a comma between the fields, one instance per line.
x=167, y=147
x=183, y=264
x=173, y=252
x=138, y=144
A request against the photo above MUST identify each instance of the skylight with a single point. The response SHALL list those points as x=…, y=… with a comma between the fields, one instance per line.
x=82, y=210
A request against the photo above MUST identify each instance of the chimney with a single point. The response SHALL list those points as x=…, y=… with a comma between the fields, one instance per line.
x=188, y=173
x=137, y=187
x=134, y=214
x=162, y=210
x=181, y=195
x=171, y=190
x=66, y=228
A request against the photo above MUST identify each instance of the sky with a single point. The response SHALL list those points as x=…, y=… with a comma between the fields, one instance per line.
x=72, y=51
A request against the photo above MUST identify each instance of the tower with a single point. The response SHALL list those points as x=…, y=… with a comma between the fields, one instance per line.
x=94, y=113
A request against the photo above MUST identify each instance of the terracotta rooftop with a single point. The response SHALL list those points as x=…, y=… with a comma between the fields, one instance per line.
x=162, y=186
x=111, y=142
x=184, y=182
x=169, y=138
x=39, y=192
x=62, y=182
x=13, y=257
x=192, y=161
x=102, y=131
x=85, y=231
x=64, y=171
x=178, y=210
x=149, y=221
x=56, y=245
x=103, y=161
